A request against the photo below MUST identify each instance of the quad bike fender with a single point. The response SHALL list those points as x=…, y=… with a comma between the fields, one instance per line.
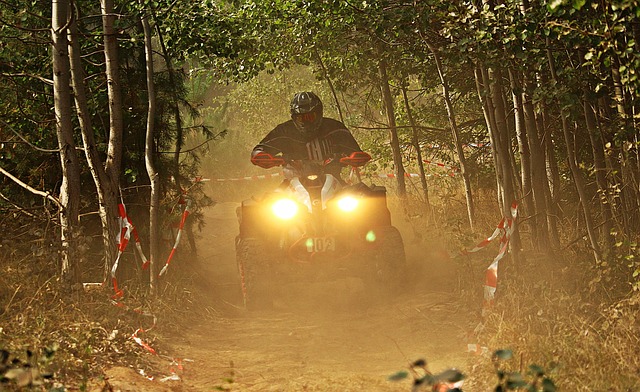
x=249, y=218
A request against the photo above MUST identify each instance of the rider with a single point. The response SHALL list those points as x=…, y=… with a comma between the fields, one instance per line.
x=307, y=136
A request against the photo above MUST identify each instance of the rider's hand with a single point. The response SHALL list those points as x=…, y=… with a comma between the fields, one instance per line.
x=266, y=160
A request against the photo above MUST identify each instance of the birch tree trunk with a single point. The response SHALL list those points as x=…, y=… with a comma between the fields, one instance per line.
x=525, y=152
x=70, y=186
x=456, y=136
x=552, y=184
x=114, y=150
x=630, y=194
x=107, y=201
x=154, y=207
x=503, y=149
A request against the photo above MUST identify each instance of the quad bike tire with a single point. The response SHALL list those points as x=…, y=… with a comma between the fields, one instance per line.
x=255, y=274
x=386, y=264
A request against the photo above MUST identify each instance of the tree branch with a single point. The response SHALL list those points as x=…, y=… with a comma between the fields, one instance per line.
x=26, y=141
x=46, y=195
x=22, y=75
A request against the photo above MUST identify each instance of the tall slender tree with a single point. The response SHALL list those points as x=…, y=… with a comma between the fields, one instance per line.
x=70, y=186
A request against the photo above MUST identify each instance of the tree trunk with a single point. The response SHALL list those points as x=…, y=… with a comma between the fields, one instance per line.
x=575, y=172
x=539, y=180
x=503, y=149
x=114, y=150
x=416, y=145
x=488, y=111
x=552, y=185
x=107, y=201
x=179, y=142
x=393, y=130
x=601, y=172
x=70, y=186
x=525, y=154
x=154, y=207
x=456, y=136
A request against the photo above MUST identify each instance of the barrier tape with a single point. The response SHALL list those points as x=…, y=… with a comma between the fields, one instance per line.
x=452, y=173
x=185, y=214
x=142, y=342
x=124, y=235
x=506, y=227
x=260, y=177
x=272, y=175
x=476, y=349
x=122, y=239
x=484, y=243
x=453, y=168
x=393, y=175
x=491, y=277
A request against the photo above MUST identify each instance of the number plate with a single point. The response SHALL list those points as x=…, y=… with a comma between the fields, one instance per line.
x=321, y=244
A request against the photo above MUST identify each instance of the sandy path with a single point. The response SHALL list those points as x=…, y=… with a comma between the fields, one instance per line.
x=322, y=339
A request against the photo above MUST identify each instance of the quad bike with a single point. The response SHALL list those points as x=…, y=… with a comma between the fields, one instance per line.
x=314, y=226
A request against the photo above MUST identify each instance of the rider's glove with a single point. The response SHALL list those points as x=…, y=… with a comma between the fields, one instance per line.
x=266, y=160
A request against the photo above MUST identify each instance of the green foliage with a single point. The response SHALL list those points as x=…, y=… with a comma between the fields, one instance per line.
x=28, y=369
x=534, y=380
x=423, y=379
x=27, y=126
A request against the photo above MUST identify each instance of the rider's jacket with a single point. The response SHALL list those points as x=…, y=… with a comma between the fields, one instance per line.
x=331, y=139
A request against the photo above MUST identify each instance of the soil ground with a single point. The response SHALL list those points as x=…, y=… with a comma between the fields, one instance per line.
x=321, y=337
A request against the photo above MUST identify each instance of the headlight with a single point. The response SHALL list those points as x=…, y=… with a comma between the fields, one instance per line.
x=285, y=209
x=348, y=203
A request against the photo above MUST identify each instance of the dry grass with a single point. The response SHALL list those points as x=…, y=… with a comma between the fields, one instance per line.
x=582, y=342
x=586, y=336
x=76, y=335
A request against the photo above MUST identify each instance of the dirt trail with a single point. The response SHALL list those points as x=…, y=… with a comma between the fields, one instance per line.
x=322, y=338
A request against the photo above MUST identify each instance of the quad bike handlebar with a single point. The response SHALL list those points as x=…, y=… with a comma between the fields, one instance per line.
x=267, y=161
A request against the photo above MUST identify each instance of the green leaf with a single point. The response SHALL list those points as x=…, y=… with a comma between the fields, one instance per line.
x=401, y=375
x=503, y=354
x=548, y=385
x=450, y=375
x=578, y=4
x=554, y=4
x=536, y=370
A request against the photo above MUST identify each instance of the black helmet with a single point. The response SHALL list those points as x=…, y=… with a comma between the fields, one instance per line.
x=306, y=112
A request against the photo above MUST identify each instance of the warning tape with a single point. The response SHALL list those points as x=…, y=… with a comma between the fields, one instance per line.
x=124, y=235
x=250, y=178
x=506, y=227
x=185, y=214
x=441, y=165
x=484, y=243
x=452, y=173
x=491, y=278
x=141, y=342
x=393, y=175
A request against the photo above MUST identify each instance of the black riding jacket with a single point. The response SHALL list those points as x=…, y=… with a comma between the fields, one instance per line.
x=331, y=139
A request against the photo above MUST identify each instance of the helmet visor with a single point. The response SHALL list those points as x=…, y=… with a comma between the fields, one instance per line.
x=305, y=118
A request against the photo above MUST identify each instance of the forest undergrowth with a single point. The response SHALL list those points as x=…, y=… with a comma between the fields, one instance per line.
x=58, y=338
x=563, y=316
x=558, y=312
